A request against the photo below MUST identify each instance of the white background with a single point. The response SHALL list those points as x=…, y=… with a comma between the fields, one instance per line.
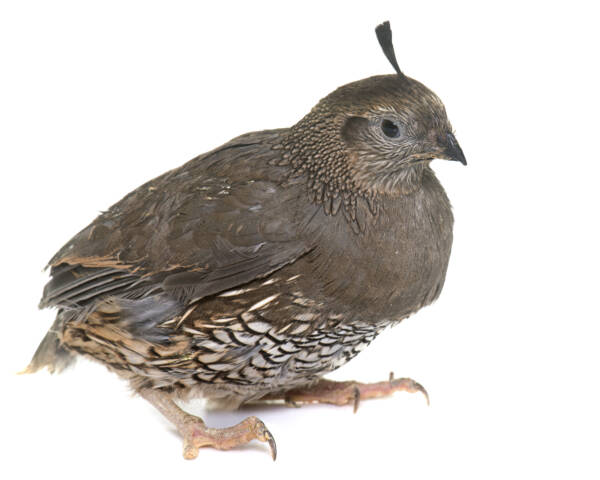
x=98, y=97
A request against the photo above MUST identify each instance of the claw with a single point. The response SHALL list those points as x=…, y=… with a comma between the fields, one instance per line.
x=263, y=434
x=412, y=386
x=356, y=398
x=421, y=389
x=272, y=445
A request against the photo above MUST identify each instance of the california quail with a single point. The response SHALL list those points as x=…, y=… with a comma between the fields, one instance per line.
x=252, y=270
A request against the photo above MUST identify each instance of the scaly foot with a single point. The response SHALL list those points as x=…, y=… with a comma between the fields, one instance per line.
x=343, y=393
x=196, y=434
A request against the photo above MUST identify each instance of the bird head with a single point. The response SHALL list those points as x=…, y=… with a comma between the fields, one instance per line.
x=374, y=136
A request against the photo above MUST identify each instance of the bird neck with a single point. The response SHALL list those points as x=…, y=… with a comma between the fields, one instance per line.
x=317, y=156
x=314, y=149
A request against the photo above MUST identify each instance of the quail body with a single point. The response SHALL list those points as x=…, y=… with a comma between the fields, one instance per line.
x=254, y=269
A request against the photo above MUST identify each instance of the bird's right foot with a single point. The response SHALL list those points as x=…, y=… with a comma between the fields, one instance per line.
x=344, y=393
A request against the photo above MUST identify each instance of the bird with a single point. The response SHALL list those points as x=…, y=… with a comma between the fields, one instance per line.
x=251, y=271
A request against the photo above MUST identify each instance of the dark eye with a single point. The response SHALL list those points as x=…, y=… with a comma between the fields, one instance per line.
x=390, y=129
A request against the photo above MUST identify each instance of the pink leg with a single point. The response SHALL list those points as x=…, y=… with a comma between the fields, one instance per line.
x=343, y=393
x=196, y=434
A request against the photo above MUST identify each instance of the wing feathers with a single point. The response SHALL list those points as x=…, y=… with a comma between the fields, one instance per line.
x=219, y=221
x=75, y=284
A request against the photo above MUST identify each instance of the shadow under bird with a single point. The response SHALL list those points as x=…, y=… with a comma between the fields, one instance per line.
x=251, y=271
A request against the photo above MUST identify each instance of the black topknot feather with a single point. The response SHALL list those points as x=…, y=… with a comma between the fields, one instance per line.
x=384, y=35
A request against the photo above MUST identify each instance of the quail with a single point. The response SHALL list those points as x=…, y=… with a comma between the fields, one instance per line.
x=252, y=270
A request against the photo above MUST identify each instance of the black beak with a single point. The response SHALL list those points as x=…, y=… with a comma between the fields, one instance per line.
x=453, y=150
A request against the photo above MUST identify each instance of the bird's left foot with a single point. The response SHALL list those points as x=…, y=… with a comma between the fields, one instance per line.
x=344, y=393
x=197, y=435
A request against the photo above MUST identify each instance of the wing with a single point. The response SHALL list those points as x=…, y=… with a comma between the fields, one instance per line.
x=221, y=220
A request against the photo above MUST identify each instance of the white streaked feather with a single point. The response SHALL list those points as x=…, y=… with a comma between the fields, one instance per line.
x=263, y=302
x=232, y=293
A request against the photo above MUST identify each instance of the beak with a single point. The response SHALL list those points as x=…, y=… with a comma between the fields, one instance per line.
x=453, y=150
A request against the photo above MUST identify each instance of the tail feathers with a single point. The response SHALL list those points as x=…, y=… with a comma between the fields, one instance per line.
x=50, y=354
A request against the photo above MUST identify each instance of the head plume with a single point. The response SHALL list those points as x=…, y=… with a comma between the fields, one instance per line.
x=384, y=35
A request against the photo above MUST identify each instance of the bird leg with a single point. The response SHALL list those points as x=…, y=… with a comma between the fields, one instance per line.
x=196, y=434
x=343, y=393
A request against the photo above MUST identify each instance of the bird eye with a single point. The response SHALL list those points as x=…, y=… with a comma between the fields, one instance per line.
x=390, y=129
